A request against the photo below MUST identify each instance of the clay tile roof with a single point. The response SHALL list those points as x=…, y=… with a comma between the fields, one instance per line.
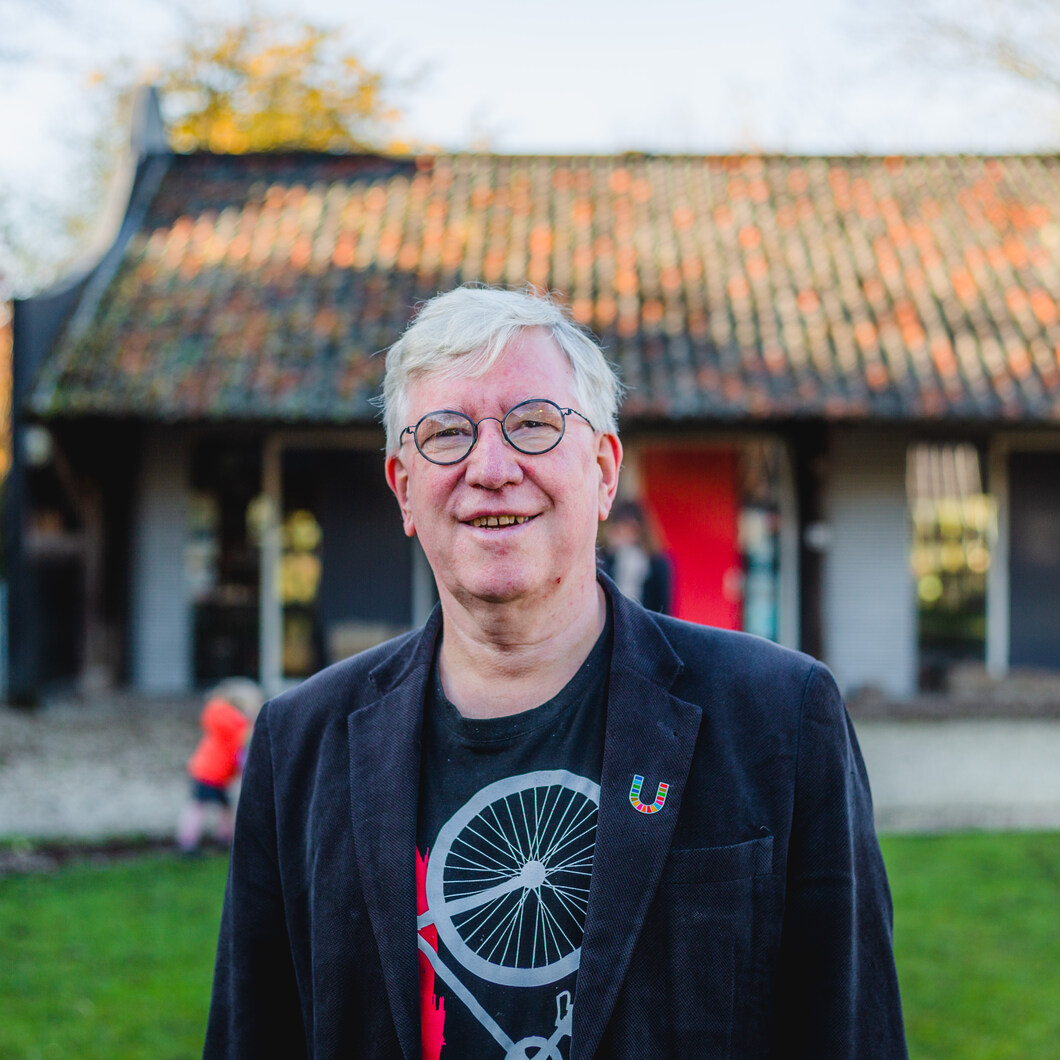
x=725, y=287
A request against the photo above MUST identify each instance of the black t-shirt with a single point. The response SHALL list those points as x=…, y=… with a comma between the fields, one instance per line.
x=507, y=827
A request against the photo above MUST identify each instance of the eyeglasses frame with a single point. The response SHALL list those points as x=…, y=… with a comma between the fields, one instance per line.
x=564, y=413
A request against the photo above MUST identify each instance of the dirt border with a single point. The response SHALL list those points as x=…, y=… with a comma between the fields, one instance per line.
x=24, y=857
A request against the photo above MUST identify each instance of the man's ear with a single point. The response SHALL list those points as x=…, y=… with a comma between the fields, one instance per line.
x=609, y=461
x=397, y=478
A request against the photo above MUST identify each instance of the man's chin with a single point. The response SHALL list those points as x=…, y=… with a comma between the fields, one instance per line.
x=505, y=594
x=498, y=589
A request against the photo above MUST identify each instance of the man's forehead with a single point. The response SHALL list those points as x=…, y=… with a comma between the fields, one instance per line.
x=471, y=376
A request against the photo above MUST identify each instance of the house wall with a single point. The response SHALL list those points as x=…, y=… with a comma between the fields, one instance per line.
x=161, y=619
x=869, y=598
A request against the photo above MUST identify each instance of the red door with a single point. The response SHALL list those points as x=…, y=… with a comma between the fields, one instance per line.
x=693, y=495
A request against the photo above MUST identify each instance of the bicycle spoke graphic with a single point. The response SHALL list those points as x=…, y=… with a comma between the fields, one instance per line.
x=508, y=879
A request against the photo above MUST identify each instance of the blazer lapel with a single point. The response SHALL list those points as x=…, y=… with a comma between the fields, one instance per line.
x=650, y=734
x=384, y=747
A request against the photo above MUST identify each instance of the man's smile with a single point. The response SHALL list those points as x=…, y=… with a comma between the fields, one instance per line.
x=498, y=520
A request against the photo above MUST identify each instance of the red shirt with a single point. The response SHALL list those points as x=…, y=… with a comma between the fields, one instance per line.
x=225, y=731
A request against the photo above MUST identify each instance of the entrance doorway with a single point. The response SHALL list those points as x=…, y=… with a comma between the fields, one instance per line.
x=346, y=567
x=717, y=511
x=1034, y=559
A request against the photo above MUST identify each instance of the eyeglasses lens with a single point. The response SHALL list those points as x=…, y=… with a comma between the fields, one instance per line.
x=444, y=436
x=534, y=426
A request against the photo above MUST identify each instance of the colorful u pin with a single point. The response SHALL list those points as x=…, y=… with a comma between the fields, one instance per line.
x=647, y=807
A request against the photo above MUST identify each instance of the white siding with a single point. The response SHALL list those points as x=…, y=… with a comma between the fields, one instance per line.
x=161, y=613
x=997, y=584
x=869, y=596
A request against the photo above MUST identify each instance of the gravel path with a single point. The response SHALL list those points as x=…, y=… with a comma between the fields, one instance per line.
x=114, y=768
x=963, y=773
x=88, y=770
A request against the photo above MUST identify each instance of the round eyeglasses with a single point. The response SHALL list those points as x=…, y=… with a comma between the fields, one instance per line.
x=532, y=427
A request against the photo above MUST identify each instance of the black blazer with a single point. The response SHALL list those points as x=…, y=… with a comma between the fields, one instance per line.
x=750, y=917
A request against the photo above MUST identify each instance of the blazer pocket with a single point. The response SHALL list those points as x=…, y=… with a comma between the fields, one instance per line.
x=740, y=861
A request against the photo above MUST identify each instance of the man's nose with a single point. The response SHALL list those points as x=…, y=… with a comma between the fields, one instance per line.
x=492, y=463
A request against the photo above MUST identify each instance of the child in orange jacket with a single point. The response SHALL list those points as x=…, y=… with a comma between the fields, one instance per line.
x=227, y=720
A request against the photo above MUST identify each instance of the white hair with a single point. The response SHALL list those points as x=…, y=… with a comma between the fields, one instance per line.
x=465, y=331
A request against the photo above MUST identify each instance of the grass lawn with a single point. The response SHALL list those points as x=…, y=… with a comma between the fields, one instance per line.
x=977, y=939
x=114, y=962
x=109, y=961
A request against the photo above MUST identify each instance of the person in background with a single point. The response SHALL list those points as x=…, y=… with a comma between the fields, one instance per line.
x=641, y=572
x=227, y=720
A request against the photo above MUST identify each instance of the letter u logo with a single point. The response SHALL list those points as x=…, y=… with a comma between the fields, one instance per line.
x=647, y=807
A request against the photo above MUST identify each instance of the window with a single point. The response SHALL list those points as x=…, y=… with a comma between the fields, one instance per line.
x=954, y=528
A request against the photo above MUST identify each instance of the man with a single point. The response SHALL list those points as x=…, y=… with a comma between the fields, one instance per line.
x=549, y=824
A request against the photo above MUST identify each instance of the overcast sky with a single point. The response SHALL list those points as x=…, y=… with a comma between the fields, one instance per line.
x=558, y=75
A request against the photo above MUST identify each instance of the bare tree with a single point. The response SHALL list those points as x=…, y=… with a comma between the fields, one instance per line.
x=1017, y=38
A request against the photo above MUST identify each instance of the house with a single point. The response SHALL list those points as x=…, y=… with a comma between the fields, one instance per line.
x=197, y=487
